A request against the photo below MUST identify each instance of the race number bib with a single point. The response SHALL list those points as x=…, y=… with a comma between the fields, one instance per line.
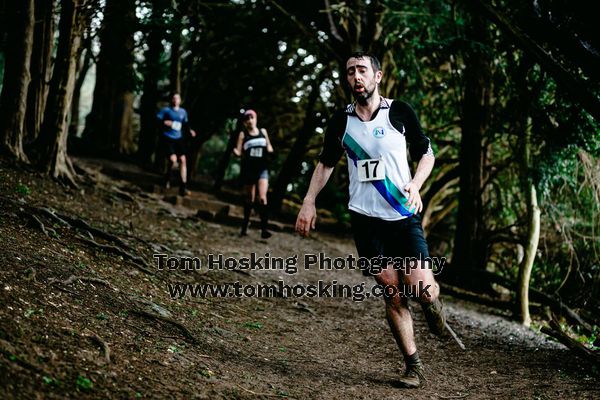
x=256, y=152
x=371, y=170
x=176, y=125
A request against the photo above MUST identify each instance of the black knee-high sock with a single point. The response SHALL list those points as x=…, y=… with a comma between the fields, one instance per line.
x=264, y=216
x=169, y=174
x=247, y=212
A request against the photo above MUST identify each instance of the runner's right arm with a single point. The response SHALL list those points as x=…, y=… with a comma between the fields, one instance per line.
x=332, y=151
x=161, y=117
x=237, y=150
x=308, y=213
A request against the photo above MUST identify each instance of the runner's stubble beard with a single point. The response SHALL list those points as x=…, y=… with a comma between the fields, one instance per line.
x=362, y=98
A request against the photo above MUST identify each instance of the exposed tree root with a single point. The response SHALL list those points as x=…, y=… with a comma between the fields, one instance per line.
x=73, y=278
x=142, y=265
x=83, y=226
x=171, y=321
x=97, y=339
x=557, y=333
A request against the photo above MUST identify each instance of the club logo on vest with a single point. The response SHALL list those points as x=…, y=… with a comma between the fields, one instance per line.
x=378, y=132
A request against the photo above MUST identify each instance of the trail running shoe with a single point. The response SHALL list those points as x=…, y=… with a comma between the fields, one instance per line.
x=436, y=318
x=413, y=377
x=183, y=191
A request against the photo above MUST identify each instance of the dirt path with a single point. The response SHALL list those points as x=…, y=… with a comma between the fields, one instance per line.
x=54, y=334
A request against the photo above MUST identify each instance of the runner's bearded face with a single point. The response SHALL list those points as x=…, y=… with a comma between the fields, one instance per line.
x=362, y=79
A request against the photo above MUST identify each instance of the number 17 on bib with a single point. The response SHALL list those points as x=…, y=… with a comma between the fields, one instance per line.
x=370, y=170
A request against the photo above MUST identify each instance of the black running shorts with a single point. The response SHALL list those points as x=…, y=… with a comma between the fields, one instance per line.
x=174, y=146
x=376, y=237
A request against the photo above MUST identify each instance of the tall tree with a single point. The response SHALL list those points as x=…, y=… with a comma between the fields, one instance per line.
x=469, y=252
x=175, y=71
x=109, y=125
x=52, y=143
x=41, y=67
x=153, y=73
x=85, y=58
x=13, y=101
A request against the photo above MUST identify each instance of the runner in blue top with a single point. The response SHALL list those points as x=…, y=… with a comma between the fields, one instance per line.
x=174, y=120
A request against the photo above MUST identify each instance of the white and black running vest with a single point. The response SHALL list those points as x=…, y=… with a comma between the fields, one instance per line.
x=254, y=150
x=370, y=145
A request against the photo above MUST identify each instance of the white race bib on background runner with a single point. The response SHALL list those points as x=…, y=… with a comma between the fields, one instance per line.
x=176, y=125
x=370, y=170
x=256, y=152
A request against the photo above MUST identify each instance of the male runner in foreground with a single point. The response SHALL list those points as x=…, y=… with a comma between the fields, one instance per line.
x=384, y=199
x=174, y=119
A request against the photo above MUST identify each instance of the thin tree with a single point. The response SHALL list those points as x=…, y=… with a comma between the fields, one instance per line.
x=41, y=67
x=468, y=252
x=152, y=74
x=52, y=144
x=13, y=101
x=109, y=125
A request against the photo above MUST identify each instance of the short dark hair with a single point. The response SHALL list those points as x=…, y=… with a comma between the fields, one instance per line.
x=374, y=61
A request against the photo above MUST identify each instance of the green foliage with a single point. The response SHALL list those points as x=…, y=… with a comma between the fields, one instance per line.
x=101, y=316
x=83, y=383
x=174, y=349
x=47, y=380
x=213, y=150
x=253, y=325
x=206, y=372
x=22, y=190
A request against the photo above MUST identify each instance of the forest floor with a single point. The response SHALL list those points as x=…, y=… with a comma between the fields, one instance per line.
x=86, y=313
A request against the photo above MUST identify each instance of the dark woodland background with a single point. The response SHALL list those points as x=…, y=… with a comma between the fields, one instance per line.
x=507, y=90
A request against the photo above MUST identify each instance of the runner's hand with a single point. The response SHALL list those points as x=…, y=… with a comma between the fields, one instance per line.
x=193, y=133
x=414, y=203
x=168, y=123
x=306, y=218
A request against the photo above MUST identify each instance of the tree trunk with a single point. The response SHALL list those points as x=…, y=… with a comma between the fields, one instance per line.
x=82, y=69
x=55, y=128
x=41, y=67
x=468, y=252
x=152, y=74
x=109, y=125
x=175, y=75
x=533, y=236
x=13, y=101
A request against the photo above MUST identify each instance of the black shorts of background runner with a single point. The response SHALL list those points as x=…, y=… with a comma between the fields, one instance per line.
x=249, y=177
x=174, y=146
x=376, y=237
x=251, y=174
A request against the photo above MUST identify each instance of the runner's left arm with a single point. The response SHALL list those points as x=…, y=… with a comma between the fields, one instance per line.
x=269, y=147
x=187, y=126
x=403, y=117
